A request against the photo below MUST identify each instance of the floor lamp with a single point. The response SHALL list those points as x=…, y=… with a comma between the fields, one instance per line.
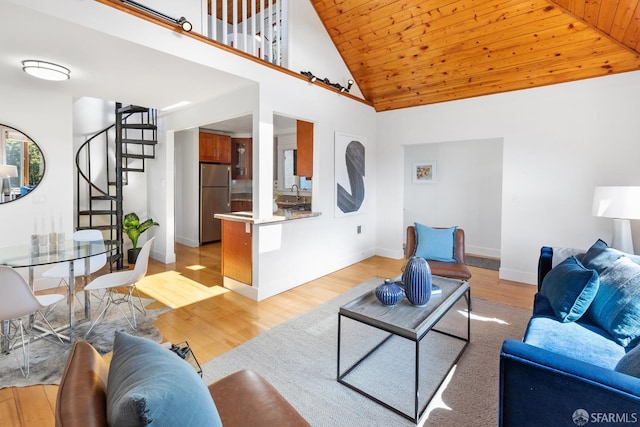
x=621, y=204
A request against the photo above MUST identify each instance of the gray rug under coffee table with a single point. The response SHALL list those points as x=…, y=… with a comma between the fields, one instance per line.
x=299, y=358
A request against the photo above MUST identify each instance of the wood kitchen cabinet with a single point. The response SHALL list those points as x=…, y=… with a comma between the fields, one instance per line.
x=241, y=158
x=236, y=250
x=241, y=206
x=304, y=142
x=215, y=148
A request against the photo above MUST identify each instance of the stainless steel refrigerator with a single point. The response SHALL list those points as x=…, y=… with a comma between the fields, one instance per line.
x=215, y=197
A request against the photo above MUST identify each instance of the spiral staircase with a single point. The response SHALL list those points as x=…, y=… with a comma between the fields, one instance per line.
x=103, y=164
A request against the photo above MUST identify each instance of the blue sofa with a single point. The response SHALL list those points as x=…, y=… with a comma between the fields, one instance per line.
x=579, y=360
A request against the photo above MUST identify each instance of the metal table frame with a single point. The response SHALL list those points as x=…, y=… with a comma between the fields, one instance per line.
x=23, y=257
x=432, y=315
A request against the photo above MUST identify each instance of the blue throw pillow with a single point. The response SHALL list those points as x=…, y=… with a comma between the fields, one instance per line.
x=570, y=289
x=630, y=363
x=150, y=385
x=437, y=244
x=616, y=307
x=600, y=256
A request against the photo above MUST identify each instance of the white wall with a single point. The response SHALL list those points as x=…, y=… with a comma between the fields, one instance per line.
x=467, y=191
x=560, y=142
x=46, y=118
x=311, y=48
x=187, y=202
x=315, y=247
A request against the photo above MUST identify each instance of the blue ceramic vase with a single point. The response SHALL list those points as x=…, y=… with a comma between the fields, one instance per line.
x=389, y=293
x=417, y=281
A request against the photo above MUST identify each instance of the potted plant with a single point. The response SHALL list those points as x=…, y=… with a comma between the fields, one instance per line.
x=134, y=228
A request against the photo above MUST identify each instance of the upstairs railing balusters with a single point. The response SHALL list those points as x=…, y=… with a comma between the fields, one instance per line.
x=249, y=29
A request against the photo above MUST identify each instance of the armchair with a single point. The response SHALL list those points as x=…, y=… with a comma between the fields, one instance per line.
x=455, y=270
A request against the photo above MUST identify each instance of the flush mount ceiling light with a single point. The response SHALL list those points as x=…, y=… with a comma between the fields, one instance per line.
x=182, y=21
x=45, y=70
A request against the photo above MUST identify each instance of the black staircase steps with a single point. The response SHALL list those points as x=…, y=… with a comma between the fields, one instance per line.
x=139, y=142
x=130, y=108
x=137, y=156
x=107, y=227
x=100, y=194
x=138, y=126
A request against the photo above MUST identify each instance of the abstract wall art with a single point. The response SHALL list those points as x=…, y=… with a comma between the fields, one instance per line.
x=350, y=181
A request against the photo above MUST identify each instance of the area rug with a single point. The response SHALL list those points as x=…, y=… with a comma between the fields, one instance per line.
x=299, y=359
x=482, y=262
x=48, y=356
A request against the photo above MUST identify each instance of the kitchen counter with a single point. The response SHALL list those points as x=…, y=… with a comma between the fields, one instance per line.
x=280, y=215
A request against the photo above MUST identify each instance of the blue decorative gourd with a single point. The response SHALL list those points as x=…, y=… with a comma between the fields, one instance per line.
x=417, y=281
x=389, y=293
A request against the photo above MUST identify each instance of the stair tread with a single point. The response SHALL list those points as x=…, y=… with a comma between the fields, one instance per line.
x=138, y=156
x=138, y=126
x=132, y=109
x=97, y=212
x=98, y=227
x=139, y=141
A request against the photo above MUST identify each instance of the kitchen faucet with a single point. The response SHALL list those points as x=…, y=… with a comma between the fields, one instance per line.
x=297, y=191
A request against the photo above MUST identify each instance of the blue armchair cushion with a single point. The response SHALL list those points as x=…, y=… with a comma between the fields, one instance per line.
x=570, y=288
x=150, y=385
x=616, y=307
x=437, y=244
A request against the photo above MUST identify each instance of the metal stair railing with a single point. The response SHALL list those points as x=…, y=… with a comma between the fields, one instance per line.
x=99, y=196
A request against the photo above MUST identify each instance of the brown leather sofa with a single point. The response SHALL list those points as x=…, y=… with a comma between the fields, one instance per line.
x=243, y=398
x=455, y=270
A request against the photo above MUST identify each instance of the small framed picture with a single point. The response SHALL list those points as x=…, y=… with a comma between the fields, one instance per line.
x=424, y=172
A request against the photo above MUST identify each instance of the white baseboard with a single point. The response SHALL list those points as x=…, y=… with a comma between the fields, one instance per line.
x=518, y=276
x=187, y=242
x=241, y=288
x=481, y=251
x=389, y=253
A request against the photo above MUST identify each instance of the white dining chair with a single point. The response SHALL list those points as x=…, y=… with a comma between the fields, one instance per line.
x=122, y=279
x=60, y=271
x=17, y=301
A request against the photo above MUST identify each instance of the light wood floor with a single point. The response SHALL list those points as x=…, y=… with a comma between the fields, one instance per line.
x=214, y=320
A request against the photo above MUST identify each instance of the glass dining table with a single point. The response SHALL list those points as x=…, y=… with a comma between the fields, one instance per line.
x=73, y=252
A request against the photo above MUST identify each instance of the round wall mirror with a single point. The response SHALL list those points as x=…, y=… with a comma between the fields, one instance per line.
x=21, y=164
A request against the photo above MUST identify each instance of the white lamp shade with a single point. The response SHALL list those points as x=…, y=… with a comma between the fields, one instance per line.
x=617, y=202
x=8, y=171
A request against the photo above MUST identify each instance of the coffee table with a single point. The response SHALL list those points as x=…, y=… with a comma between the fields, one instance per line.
x=411, y=323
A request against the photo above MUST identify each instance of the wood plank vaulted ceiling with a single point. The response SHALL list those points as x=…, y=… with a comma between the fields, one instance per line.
x=405, y=53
